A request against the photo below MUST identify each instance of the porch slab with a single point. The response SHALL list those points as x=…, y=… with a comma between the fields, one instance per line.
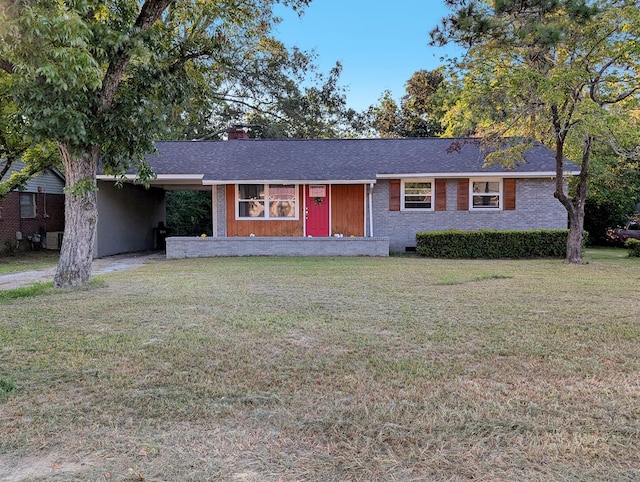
x=179, y=247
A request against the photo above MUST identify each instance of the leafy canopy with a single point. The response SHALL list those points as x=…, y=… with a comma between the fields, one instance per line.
x=421, y=107
x=544, y=69
x=114, y=75
x=561, y=72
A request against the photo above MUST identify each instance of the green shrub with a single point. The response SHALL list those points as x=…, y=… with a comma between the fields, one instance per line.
x=9, y=248
x=493, y=244
x=7, y=387
x=633, y=245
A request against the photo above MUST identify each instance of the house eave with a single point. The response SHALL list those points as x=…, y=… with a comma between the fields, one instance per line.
x=218, y=182
x=160, y=179
x=453, y=175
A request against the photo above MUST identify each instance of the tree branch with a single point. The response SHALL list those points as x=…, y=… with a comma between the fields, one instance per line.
x=149, y=13
x=6, y=167
x=7, y=66
x=602, y=102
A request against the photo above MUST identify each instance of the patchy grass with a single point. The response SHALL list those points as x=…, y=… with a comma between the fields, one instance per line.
x=484, y=277
x=267, y=369
x=604, y=254
x=7, y=387
x=28, y=260
x=24, y=292
x=41, y=288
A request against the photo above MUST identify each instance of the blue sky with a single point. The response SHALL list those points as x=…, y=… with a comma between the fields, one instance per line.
x=379, y=43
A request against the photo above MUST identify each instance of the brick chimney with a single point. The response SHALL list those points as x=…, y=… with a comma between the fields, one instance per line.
x=236, y=133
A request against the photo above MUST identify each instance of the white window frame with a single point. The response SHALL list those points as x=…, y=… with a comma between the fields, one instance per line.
x=266, y=200
x=33, y=205
x=403, y=195
x=500, y=194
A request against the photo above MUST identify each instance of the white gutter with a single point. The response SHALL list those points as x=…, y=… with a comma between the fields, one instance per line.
x=453, y=175
x=158, y=177
x=371, y=209
x=288, y=181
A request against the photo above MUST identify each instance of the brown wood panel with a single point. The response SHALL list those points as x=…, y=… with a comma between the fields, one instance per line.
x=261, y=227
x=347, y=209
x=463, y=194
x=509, y=194
x=394, y=195
x=441, y=195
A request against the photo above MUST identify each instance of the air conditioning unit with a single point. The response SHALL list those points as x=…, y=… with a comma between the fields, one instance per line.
x=54, y=240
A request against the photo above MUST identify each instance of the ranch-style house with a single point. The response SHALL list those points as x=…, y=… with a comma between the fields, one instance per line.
x=329, y=196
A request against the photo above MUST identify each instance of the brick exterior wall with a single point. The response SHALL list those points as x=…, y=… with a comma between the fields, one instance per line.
x=190, y=247
x=535, y=208
x=49, y=217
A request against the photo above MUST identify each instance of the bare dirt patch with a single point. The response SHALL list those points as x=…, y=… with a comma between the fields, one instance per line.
x=15, y=470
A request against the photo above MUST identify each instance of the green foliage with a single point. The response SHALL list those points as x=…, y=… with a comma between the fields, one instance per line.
x=189, y=213
x=560, y=72
x=7, y=387
x=491, y=244
x=24, y=292
x=20, y=157
x=81, y=188
x=421, y=108
x=614, y=184
x=295, y=106
x=633, y=245
x=9, y=248
x=112, y=77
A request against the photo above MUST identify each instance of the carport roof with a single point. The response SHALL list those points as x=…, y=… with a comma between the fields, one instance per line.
x=337, y=160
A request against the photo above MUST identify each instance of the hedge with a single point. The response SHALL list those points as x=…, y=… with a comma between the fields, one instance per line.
x=633, y=245
x=492, y=244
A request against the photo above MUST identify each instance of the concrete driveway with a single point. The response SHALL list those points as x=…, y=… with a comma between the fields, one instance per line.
x=107, y=264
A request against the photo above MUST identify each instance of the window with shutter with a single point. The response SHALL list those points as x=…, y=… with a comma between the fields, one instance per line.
x=394, y=195
x=463, y=194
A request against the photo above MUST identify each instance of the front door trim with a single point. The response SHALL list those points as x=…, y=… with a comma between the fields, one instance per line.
x=317, y=209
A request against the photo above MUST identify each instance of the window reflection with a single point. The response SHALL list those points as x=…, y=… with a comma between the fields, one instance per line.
x=270, y=201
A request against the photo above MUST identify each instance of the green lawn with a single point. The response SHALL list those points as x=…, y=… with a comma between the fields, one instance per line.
x=27, y=260
x=292, y=369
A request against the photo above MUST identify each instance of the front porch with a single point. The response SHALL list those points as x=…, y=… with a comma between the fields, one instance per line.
x=198, y=247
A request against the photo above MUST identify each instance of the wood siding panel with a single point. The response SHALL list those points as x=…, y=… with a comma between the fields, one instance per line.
x=347, y=209
x=394, y=195
x=509, y=194
x=261, y=227
x=463, y=194
x=441, y=195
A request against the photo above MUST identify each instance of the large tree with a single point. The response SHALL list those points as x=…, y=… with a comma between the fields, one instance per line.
x=281, y=94
x=560, y=72
x=20, y=157
x=614, y=182
x=101, y=78
x=421, y=107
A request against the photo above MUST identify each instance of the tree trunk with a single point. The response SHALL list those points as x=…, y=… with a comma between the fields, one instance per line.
x=81, y=216
x=574, y=239
x=574, y=206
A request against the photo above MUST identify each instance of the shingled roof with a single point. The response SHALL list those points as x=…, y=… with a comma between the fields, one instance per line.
x=336, y=160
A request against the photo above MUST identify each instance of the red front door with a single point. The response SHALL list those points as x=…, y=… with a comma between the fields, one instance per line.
x=317, y=210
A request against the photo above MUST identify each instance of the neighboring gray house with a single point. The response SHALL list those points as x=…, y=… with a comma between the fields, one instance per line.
x=267, y=193
x=34, y=216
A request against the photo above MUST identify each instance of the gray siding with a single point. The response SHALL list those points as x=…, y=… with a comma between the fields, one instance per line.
x=536, y=208
x=48, y=182
x=127, y=218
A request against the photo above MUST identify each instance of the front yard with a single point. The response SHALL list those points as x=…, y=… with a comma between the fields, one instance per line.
x=294, y=369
